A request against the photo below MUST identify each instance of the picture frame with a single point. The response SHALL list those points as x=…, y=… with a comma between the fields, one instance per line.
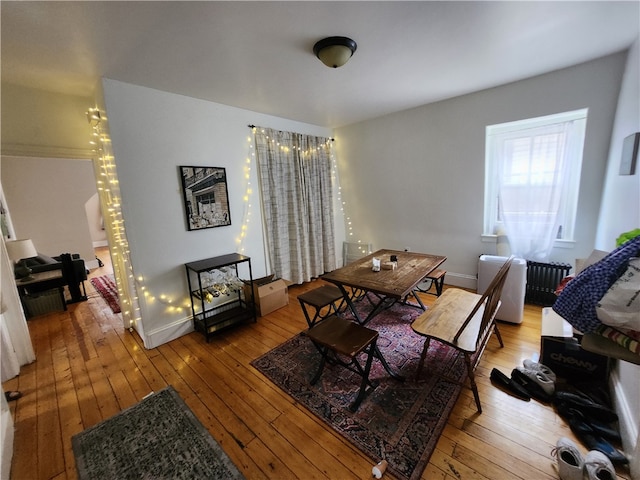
x=206, y=198
x=630, y=147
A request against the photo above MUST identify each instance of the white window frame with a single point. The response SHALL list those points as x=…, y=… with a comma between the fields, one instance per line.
x=494, y=133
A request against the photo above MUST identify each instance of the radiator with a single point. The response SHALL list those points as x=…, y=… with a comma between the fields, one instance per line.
x=542, y=280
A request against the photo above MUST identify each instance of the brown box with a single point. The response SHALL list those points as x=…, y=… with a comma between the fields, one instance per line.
x=269, y=296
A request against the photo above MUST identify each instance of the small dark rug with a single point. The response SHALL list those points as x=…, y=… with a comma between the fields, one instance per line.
x=158, y=438
x=399, y=421
x=105, y=285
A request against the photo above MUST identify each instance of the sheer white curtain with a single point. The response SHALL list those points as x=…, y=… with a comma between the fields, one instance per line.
x=297, y=203
x=534, y=169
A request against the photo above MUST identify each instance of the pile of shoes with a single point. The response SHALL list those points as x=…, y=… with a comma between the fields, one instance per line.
x=591, y=421
x=587, y=412
x=573, y=466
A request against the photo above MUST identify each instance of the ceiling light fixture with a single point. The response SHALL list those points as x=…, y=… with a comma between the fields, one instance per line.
x=335, y=51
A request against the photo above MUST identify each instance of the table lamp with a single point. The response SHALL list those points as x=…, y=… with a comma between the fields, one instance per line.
x=19, y=251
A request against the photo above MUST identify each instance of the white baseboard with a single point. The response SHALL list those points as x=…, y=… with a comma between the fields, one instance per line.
x=100, y=243
x=166, y=333
x=628, y=425
x=91, y=264
x=461, y=280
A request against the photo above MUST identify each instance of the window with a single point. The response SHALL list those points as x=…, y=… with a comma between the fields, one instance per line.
x=532, y=177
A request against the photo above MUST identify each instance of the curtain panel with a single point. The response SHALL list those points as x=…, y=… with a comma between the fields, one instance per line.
x=534, y=175
x=296, y=190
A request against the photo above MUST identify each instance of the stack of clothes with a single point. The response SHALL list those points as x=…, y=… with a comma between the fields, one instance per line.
x=604, y=298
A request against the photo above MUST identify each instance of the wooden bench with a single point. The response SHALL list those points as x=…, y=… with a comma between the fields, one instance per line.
x=436, y=279
x=464, y=321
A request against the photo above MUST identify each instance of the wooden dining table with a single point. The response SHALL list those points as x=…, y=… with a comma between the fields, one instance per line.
x=387, y=285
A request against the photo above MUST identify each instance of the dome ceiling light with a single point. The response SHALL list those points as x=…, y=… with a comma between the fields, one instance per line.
x=335, y=51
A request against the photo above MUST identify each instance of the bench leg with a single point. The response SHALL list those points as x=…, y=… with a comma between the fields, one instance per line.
x=472, y=381
x=423, y=355
x=497, y=332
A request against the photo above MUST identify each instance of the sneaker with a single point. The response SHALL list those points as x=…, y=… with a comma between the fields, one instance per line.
x=570, y=462
x=540, y=378
x=538, y=367
x=598, y=467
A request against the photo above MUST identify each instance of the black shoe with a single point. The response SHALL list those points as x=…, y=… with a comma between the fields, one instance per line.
x=506, y=384
x=12, y=395
x=588, y=407
x=579, y=422
x=530, y=386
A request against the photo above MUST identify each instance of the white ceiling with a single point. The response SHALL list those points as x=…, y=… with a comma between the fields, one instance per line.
x=258, y=55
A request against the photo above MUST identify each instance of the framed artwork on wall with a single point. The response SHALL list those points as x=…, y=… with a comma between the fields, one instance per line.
x=206, y=199
x=630, y=148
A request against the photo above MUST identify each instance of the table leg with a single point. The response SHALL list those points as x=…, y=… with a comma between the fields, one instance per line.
x=415, y=295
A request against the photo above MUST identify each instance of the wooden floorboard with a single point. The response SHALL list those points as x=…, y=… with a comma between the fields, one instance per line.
x=89, y=367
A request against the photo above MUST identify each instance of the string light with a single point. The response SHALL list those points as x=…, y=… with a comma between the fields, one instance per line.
x=362, y=247
x=108, y=189
x=109, y=193
x=248, y=192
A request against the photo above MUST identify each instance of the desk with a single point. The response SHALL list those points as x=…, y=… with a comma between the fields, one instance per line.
x=388, y=285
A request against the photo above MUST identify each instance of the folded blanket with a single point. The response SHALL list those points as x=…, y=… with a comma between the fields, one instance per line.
x=629, y=339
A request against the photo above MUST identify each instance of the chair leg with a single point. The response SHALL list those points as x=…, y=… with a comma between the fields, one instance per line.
x=365, y=378
x=497, y=332
x=423, y=355
x=472, y=381
x=324, y=351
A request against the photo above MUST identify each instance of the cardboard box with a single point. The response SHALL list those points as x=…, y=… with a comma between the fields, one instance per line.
x=268, y=296
x=560, y=350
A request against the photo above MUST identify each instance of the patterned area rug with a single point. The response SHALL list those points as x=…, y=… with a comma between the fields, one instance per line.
x=158, y=438
x=399, y=421
x=105, y=285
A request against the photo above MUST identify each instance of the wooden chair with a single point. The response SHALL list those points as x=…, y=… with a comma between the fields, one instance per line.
x=340, y=338
x=464, y=321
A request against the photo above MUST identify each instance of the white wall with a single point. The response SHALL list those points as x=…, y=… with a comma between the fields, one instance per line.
x=46, y=198
x=153, y=133
x=38, y=123
x=95, y=221
x=620, y=212
x=416, y=178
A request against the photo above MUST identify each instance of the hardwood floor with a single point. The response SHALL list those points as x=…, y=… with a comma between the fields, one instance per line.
x=89, y=367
